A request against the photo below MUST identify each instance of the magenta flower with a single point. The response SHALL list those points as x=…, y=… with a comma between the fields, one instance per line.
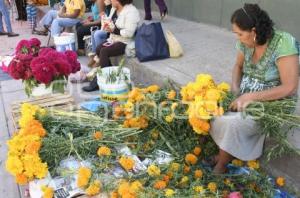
x=235, y=195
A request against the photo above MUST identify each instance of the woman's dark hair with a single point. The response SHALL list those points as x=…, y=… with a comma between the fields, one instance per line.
x=251, y=16
x=125, y=2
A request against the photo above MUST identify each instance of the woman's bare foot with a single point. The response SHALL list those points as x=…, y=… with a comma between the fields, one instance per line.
x=219, y=169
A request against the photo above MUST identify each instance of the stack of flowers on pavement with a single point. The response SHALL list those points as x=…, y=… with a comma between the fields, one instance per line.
x=23, y=160
x=35, y=65
x=148, y=147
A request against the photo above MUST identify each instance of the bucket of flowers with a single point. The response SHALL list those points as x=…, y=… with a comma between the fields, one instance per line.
x=42, y=70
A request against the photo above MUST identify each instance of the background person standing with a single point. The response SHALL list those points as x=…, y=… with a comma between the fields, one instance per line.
x=21, y=9
x=5, y=13
x=162, y=8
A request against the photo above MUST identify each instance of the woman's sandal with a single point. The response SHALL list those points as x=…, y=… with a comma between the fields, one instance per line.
x=42, y=33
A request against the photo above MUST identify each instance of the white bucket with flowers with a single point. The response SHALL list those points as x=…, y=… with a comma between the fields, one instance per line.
x=114, y=83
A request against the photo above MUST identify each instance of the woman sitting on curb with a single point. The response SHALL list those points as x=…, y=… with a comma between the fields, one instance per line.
x=266, y=69
x=121, y=35
x=68, y=15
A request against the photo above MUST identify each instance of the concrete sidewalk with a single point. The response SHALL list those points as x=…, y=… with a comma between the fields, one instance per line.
x=207, y=49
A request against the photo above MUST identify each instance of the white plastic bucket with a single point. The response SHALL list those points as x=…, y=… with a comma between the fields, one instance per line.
x=117, y=91
x=64, y=42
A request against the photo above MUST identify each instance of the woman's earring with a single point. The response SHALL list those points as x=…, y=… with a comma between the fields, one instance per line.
x=254, y=39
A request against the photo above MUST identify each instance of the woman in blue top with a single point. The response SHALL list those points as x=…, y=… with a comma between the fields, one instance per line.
x=266, y=69
x=84, y=28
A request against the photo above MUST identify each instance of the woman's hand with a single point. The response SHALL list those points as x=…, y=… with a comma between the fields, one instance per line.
x=241, y=102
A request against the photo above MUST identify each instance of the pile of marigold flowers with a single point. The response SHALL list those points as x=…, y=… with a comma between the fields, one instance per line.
x=23, y=160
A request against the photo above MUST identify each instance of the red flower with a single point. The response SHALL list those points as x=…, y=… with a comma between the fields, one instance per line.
x=24, y=57
x=43, y=70
x=19, y=69
x=23, y=47
x=60, y=61
x=34, y=42
x=45, y=51
x=72, y=58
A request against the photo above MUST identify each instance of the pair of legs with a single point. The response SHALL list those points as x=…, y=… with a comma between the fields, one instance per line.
x=104, y=53
x=21, y=5
x=5, y=13
x=82, y=30
x=51, y=20
x=98, y=36
x=161, y=5
x=237, y=137
x=31, y=11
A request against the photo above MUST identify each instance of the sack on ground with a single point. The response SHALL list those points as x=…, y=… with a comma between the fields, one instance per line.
x=175, y=48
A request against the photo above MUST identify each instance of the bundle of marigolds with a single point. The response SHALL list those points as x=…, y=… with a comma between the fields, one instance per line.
x=203, y=97
x=153, y=110
x=23, y=159
x=34, y=149
x=167, y=118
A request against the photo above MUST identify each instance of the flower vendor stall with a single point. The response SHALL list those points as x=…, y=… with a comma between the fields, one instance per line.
x=151, y=145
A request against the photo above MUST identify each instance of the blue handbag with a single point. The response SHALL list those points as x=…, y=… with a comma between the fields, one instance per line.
x=150, y=43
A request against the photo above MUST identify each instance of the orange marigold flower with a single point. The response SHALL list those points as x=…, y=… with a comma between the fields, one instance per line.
x=237, y=162
x=253, y=164
x=118, y=111
x=34, y=127
x=114, y=194
x=127, y=163
x=160, y=185
x=170, y=175
x=171, y=95
x=191, y=159
x=123, y=188
x=212, y=186
x=128, y=195
x=84, y=175
x=33, y=147
x=104, y=151
x=280, y=181
x=227, y=181
x=166, y=178
x=21, y=179
x=198, y=174
x=197, y=150
x=98, y=135
x=186, y=169
x=153, y=88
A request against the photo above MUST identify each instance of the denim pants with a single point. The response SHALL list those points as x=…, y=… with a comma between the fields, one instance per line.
x=5, y=13
x=51, y=18
x=31, y=11
x=160, y=3
x=98, y=37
